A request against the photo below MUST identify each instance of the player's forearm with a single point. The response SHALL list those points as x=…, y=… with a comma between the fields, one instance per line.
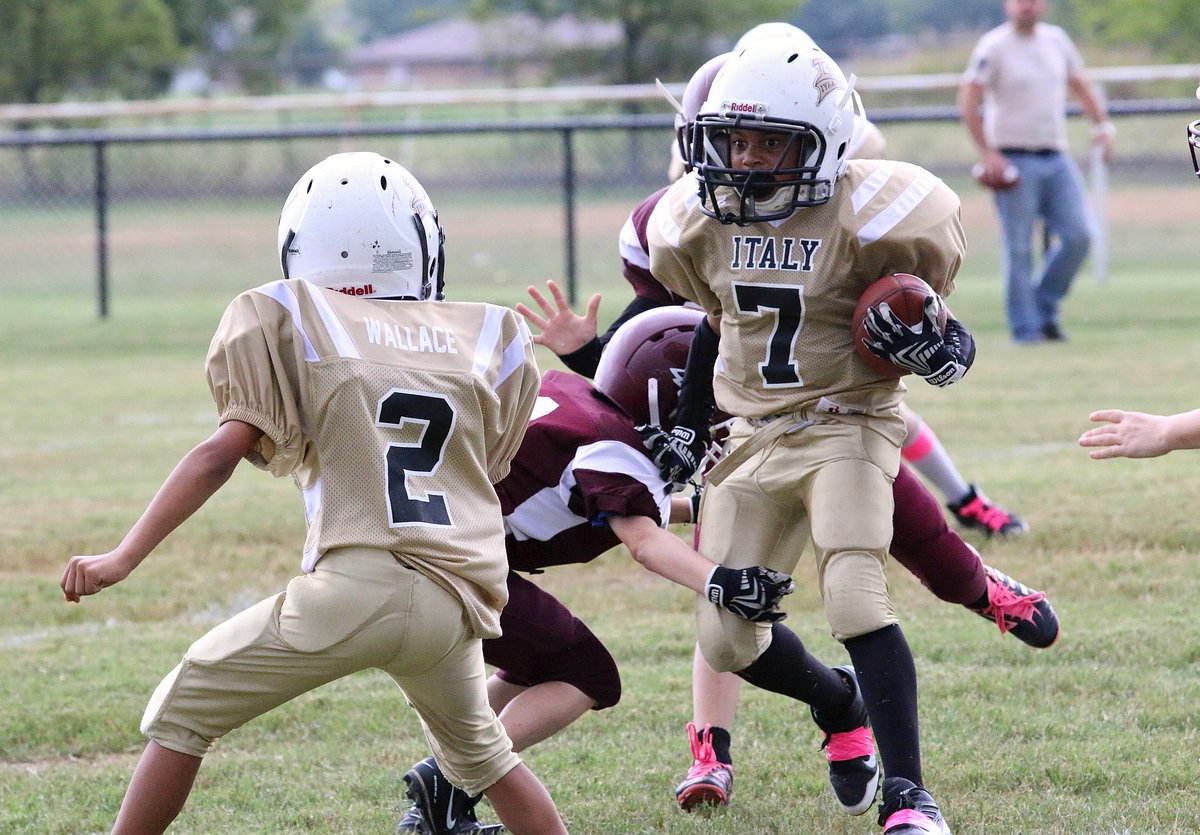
x=197, y=476
x=662, y=552
x=1182, y=431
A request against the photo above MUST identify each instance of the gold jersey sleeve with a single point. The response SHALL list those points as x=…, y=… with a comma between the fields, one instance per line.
x=786, y=290
x=393, y=418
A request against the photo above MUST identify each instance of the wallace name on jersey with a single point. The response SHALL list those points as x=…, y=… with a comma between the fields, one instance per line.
x=435, y=340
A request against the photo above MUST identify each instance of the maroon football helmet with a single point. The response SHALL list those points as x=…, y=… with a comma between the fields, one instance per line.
x=643, y=364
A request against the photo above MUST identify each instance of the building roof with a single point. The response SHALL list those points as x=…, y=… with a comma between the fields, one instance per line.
x=460, y=40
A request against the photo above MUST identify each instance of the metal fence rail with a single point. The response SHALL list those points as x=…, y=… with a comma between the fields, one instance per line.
x=45, y=175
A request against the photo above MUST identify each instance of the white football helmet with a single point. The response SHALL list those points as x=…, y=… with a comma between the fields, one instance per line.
x=777, y=85
x=361, y=224
x=774, y=29
x=696, y=91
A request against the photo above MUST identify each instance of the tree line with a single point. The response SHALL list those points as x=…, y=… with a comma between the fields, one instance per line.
x=61, y=49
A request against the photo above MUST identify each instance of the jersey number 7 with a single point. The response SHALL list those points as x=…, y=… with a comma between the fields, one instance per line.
x=786, y=301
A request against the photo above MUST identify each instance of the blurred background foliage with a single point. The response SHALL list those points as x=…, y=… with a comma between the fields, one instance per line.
x=105, y=49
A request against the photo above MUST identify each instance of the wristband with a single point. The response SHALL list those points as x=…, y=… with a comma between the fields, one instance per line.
x=1105, y=128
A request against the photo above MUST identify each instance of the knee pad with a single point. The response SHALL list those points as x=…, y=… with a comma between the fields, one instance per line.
x=727, y=642
x=854, y=588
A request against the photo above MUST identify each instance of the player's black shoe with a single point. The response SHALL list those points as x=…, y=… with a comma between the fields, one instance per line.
x=907, y=809
x=977, y=512
x=1018, y=609
x=850, y=749
x=438, y=806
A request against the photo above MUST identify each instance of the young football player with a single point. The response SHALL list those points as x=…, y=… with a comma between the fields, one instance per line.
x=394, y=412
x=774, y=233
x=921, y=542
x=577, y=342
x=580, y=484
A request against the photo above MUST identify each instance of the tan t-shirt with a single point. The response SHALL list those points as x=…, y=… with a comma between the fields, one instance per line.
x=786, y=290
x=1024, y=80
x=393, y=418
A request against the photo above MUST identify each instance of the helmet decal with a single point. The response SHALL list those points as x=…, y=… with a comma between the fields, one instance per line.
x=825, y=82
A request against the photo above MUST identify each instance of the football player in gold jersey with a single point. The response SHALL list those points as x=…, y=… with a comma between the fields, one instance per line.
x=394, y=413
x=775, y=234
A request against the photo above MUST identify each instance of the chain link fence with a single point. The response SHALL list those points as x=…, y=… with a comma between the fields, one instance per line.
x=105, y=217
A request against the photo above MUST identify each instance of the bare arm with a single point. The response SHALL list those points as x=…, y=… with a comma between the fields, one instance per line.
x=662, y=552
x=970, y=97
x=196, y=477
x=1103, y=130
x=1141, y=435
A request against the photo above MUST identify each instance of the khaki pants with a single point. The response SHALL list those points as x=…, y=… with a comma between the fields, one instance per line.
x=828, y=483
x=359, y=609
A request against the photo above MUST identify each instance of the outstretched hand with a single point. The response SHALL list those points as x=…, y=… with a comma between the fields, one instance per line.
x=562, y=331
x=1126, y=435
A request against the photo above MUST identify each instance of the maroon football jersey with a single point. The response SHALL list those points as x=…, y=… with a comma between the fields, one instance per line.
x=581, y=460
x=635, y=254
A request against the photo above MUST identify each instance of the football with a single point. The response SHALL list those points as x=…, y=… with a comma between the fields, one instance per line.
x=1006, y=179
x=905, y=295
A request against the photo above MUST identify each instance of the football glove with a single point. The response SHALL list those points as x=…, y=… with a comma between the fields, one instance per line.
x=920, y=349
x=677, y=454
x=750, y=593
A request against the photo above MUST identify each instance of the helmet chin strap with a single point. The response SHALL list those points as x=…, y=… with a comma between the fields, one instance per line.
x=287, y=242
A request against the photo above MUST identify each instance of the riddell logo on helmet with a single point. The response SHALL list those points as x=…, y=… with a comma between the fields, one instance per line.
x=747, y=108
x=364, y=290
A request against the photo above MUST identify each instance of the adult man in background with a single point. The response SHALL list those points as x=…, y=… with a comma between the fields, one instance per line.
x=1020, y=73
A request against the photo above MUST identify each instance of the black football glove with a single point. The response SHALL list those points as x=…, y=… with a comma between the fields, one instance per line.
x=750, y=593
x=677, y=454
x=921, y=349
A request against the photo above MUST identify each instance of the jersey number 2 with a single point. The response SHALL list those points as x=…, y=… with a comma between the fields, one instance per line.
x=786, y=301
x=420, y=458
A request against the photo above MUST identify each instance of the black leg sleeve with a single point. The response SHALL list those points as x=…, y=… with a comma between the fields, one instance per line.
x=888, y=679
x=788, y=668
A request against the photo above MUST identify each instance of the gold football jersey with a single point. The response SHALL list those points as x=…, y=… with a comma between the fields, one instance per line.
x=786, y=290
x=394, y=418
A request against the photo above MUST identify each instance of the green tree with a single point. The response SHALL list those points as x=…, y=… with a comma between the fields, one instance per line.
x=1168, y=29
x=239, y=38
x=52, y=47
x=667, y=39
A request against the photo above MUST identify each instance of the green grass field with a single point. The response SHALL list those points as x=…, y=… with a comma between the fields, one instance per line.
x=1095, y=735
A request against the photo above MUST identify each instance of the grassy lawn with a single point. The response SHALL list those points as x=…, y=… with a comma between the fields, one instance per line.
x=1095, y=735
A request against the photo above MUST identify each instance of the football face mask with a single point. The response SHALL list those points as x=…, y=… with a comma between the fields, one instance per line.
x=1194, y=145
